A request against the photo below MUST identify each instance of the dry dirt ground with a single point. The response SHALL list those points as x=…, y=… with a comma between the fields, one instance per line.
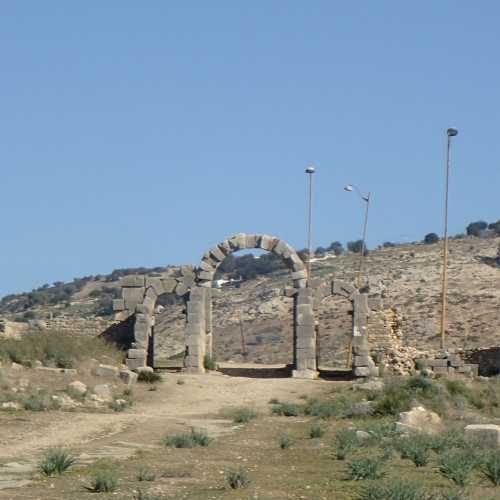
x=179, y=402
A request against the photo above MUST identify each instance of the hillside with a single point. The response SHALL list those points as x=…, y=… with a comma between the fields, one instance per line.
x=253, y=316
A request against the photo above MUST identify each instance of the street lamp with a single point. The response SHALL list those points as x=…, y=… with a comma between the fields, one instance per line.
x=451, y=132
x=366, y=199
x=309, y=171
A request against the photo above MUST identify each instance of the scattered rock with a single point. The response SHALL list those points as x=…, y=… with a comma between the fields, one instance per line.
x=418, y=419
x=362, y=409
x=370, y=386
x=103, y=392
x=144, y=369
x=66, y=402
x=107, y=371
x=78, y=387
x=362, y=435
x=16, y=366
x=11, y=405
x=484, y=434
x=129, y=377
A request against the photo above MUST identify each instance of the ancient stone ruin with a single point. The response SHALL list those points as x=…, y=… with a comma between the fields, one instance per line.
x=195, y=286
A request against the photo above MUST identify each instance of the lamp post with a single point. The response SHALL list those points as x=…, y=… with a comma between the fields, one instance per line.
x=451, y=132
x=309, y=171
x=366, y=199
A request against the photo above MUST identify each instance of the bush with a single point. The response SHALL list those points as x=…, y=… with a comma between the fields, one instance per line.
x=431, y=238
x=148, y=377
x=393, y=400
x=56, y=461
x=476, y=228
x=237, y=478
x=366, y=468
x=191, y=440
x=286, y=410
x=285, y=442
x=105, y=481
x=209, y=363
x=146, y=475
x=345, y=441
x=394, y=491
x=457, y=465
x=316, y=431
x=41, y=401
x=356, y=246
x=120, y=404
x=492, y=467
x=240, y=415
x=448, y=440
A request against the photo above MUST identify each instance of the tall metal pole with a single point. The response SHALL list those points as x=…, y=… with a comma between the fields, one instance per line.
x=363, y=241
x=450, y=133
x=310, y=171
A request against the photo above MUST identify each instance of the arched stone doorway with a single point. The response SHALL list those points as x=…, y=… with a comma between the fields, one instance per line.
x=139, y=296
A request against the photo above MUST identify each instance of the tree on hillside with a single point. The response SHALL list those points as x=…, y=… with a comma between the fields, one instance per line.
x=431, y=238
x=336, y=247
x=495, y=226
x=320, y=251
x=475, y=228
x=356, y=246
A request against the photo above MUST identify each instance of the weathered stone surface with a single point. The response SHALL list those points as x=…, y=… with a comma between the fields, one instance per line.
x=78, y=387
x=305, y=374
x=300, y=283
x=370, y=386
x=217, y=253
x=361, y=371
x=363, y=361
x=298, y=275
x=169, y=284
x=206, y=275
x=418, y=419
x=205, y=265
x=251, y=241
x=103, y=392
x=135, y=364
x=485, y=435
x=132, y=297
x=437, y=362
x=156, y=284
x=267, y=242
x=107, y=371
x=137, y=353
x=118, y=305
x=181, y=289
x=11, y=405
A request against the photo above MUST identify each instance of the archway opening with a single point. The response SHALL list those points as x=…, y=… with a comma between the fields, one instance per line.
x=252, y=320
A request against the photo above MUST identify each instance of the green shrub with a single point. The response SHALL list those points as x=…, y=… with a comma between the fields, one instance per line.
x=286, y=410
x=40, y=401
x=394, y=491
x=416, y=448
x=448, y=440
x=457, y=465
x=237, y=478
x=105, y=481
x=240, y=414
x=191, y=440
x=345, y=441
x=56, y=461
x=393, y=400
x=285, y=442
x=146, y=475
x=120, y=404
x=209, y=363
x=365, y=468
x=492, y=467
x=316, y=431
x=148, y=377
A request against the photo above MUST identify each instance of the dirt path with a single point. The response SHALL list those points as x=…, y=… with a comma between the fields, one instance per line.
x=195, y=402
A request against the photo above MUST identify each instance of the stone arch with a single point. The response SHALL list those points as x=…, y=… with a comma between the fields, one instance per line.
x=362, y=364
x=195, y=286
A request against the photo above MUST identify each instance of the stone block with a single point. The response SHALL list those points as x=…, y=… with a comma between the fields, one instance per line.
x=433, y=363
x=300, y=283
x=169, y=284
x=205, y=265
x=305, y=318
x=440, y=370
x=471, y=369
x=118, y=305
x=132, y=281
x=136, y=353
x=107, y=371
x=307, y=342
x=362, y=361
x=187, y=271
x=225, y=247
x=251, y=241
x=485, y=435
x=238, y=241
x=267, y=242
x=280, y=248
x=128, y=377
x=206, y=275
x=132, y=297
x=298, y=275
x=305, y=374
x=156, y=284
x=362, y=371
x=181, y=290
x=217, y=253
x=289, y=291
x=134, y=364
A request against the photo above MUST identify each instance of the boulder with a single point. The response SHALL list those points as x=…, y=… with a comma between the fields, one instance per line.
x=78, y=387
x=370, y=386
x=16, y=366
x=12, y=405
x=103, y=392
x=418, y=419
x=128, y=377
x=486, y=435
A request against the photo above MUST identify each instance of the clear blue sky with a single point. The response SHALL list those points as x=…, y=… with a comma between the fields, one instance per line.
x=141, y=133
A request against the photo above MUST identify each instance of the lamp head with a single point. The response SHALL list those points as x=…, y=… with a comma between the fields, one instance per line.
x=452, y=132
x=310, y=170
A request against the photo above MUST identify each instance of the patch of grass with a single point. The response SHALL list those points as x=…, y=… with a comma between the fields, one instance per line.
x=191, y=440
x=316, y=431
x=492, y=467
x=105, y=481
x=240, y=414
x=393, y=400
x=146, y=475
x=141, y=495
x=417, y=448
x=345, y=441
x=120, y=404
x=76, y=395
x=149, y=377
x=448, y=440
x=365, y=468
x=286, y=410
x=394, y=491
x=237, y=478
x=40, y=401
x=457, y=465
x=285, y=442
x=56, y=461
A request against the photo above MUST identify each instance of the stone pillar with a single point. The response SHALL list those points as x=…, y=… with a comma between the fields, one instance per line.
x=137, y=356
x=304, y=335
x=208, y=323
x=362, y=363
x=196, y=329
